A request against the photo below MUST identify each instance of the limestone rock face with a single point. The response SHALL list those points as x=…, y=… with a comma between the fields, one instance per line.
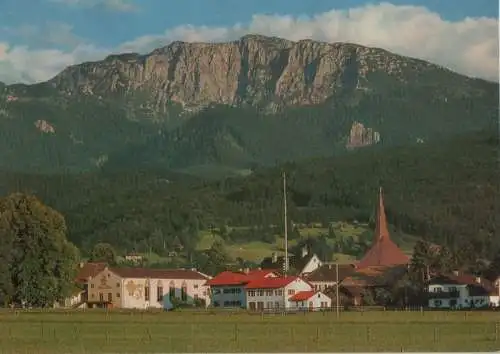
x=257, y=70
x=361, y=136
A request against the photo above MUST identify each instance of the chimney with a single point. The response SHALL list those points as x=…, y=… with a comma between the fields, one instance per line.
x=274, y=257
x=247, y=270
x=304, y=251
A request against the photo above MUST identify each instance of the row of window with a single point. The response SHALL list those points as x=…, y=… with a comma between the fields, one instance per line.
x=259, y=305
x=159, y=296
x=279, y=292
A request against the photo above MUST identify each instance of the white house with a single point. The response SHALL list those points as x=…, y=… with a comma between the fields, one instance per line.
x=310, y=300
x=274, y=292
x=458, y=290
x=143, y=288
x=227, y=289
x=304, y=262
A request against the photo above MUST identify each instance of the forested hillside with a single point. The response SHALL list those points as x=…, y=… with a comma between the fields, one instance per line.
x=446, y=192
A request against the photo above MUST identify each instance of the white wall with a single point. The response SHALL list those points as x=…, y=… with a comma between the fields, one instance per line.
x=463, y=301
x=276, y=298
x=133, y=291
x=436, y=302
x=313, y=264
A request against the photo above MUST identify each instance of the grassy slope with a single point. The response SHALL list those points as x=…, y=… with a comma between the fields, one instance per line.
x=203, y=331
x=256, y=251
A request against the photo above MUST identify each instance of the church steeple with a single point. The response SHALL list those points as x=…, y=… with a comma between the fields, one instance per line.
x=384, y=252
x=381, y=229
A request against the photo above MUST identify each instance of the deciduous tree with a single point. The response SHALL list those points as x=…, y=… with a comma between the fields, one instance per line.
x=42, y=263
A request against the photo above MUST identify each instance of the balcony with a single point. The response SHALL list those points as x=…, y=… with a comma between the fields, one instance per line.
x=453, y=294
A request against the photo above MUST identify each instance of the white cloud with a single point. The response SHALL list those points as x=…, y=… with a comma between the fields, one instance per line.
x=114, y=5
x=469, y=46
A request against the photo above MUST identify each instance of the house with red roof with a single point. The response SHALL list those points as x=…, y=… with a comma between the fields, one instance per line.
x=275, y=293
x=460, y=290
x=310, y=300
x=227, y=289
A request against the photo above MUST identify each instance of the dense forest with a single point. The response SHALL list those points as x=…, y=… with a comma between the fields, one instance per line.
x=444, y=192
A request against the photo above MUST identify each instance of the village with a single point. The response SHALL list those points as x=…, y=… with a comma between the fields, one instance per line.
x=316, y=286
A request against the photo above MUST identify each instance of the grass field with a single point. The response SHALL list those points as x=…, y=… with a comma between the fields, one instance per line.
x=134, y=332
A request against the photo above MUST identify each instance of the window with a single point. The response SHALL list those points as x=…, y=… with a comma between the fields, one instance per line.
x=251, y=305
x=146, y=293
x=270, y=305
x=159, y=293
x=277, y=304
x=117, y=284
x=260, y=292
x=110, y=297
x=260, y=305
x=280, y=292
x=184, y=292
x=196, y=296
x=269, y=293
x=92, y=286
x=101, y=297
x=291, y=292
x=117, y=294
x=251, y=293
x=195, y=286
x=171, y=290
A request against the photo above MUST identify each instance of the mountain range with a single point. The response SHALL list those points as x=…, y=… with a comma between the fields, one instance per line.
x=229, y=107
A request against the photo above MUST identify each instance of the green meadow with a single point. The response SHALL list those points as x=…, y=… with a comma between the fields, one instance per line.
x=98, y=331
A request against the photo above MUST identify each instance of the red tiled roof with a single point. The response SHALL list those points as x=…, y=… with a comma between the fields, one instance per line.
x=302, y=296
x=384, y=251
x=89, y=269
x=270, y=283
x=130, y=272
x=238, y=278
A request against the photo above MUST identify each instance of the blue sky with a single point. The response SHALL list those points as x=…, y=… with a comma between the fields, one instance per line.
x=87, y=29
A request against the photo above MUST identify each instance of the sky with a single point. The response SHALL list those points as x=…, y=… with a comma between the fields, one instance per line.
x=39, y=38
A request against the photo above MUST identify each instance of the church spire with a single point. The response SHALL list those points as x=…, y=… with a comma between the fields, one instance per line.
x=381, y=230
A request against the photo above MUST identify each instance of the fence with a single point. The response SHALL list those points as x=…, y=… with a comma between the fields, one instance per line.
x=216, y=331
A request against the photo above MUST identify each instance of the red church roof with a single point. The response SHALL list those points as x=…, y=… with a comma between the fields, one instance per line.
x=384, y=252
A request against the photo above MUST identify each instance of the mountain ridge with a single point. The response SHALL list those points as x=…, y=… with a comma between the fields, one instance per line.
x=256, y=100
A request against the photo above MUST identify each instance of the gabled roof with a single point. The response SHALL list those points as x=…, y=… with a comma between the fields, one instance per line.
x=384, y=252
x=270, y=283
x=239, y=278
x=473, y=282
x=295, y=261
x=130, y=272
x=302, y=296
x=375, y=276
x=89, y=269
x=328, y=273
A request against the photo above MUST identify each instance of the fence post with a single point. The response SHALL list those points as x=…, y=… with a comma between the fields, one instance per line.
x=436, y=334
x=368, y=334
x=496, y=331
x=236, y=332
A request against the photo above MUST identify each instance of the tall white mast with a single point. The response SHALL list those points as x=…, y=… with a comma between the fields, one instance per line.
x=285, y=270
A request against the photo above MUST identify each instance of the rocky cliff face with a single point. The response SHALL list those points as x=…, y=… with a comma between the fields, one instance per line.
x=360, y=136
x=268, y=72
